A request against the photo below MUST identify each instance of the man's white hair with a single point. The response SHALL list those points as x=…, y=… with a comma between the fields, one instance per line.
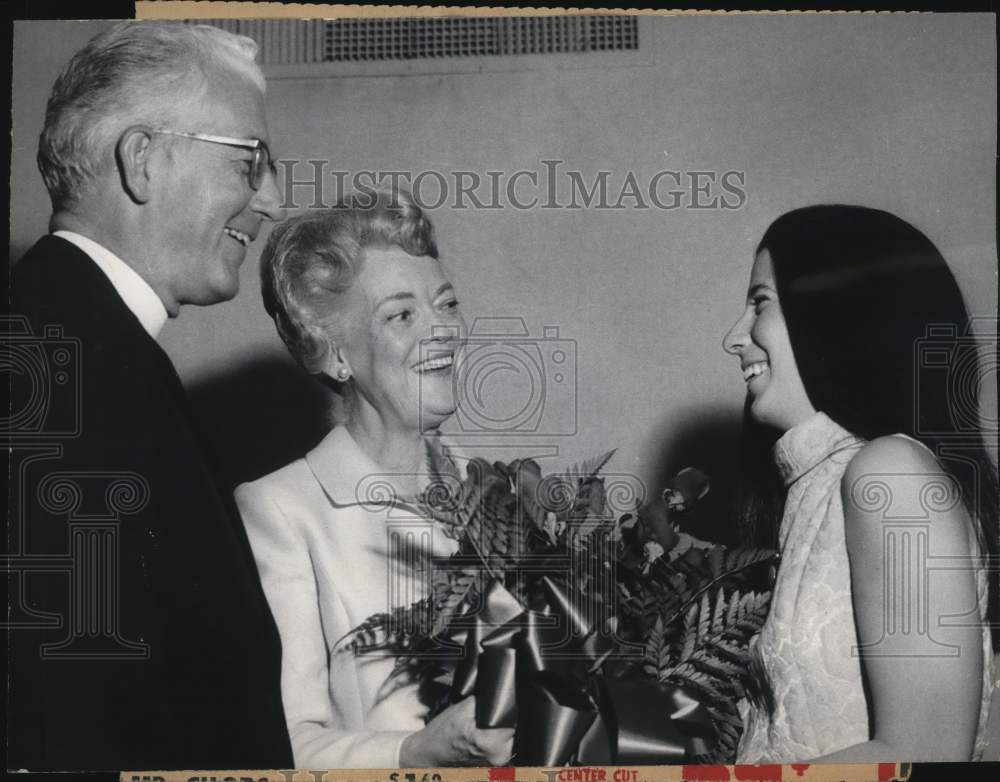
x=134, y=73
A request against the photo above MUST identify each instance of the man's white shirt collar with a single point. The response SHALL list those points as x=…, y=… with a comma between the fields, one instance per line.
x=134, y=291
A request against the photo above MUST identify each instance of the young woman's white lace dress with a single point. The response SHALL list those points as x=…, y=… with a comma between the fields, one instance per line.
x=806, y=643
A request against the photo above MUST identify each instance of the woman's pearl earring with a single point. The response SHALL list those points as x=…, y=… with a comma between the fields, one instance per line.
x=343, y=373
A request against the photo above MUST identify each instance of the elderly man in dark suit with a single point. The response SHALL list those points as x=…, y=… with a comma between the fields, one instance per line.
x=155, y=155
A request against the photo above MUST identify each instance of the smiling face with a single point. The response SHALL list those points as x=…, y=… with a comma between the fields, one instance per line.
x=760, y=340
x=204, y=213
x=402, y=326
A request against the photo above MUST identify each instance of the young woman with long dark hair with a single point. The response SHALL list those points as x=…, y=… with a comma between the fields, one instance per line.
x=866, y=467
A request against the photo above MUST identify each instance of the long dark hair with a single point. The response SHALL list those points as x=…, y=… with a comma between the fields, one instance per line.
x=883, y=343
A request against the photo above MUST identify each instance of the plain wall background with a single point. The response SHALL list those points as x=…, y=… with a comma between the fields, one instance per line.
x=895, y=112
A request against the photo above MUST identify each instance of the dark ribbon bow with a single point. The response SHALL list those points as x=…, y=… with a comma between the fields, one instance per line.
x=533, y=670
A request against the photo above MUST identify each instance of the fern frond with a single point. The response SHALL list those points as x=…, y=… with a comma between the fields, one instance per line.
x=738, y=559
x=450, y=599
x=735, y=609
x=589, y=468
x=729, y=728
x=470, y=514
x=742, y=560
x=704, y=616
x=687, y=675
x=729, y=650
x=657, y=657
x=393, y=631
x=691, y=622
x=717, y=560
x=718, y=614
x=722, y=670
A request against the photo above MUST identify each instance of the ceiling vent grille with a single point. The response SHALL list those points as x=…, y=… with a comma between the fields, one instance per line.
x=300, y=42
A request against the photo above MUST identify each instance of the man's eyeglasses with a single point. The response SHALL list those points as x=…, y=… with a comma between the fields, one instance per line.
x=260, y=164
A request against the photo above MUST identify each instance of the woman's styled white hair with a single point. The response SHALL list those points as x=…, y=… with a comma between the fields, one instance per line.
x=310, y=260
x=134, y=73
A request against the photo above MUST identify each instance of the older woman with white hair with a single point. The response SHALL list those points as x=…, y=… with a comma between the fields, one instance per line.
x=358, y=295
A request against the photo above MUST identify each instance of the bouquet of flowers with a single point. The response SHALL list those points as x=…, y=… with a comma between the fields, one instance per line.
x=602, y=637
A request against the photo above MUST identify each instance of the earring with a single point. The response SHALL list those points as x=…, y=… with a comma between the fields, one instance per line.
x=343, y=374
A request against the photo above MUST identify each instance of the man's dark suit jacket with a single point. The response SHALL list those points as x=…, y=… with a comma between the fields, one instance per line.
x=201, y=690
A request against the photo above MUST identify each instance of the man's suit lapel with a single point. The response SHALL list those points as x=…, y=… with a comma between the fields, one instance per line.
x=206, y=451
x=102, y=302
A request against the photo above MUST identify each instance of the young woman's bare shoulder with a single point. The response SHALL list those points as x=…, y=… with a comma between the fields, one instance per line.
x=891, y=463
x=890, y=455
